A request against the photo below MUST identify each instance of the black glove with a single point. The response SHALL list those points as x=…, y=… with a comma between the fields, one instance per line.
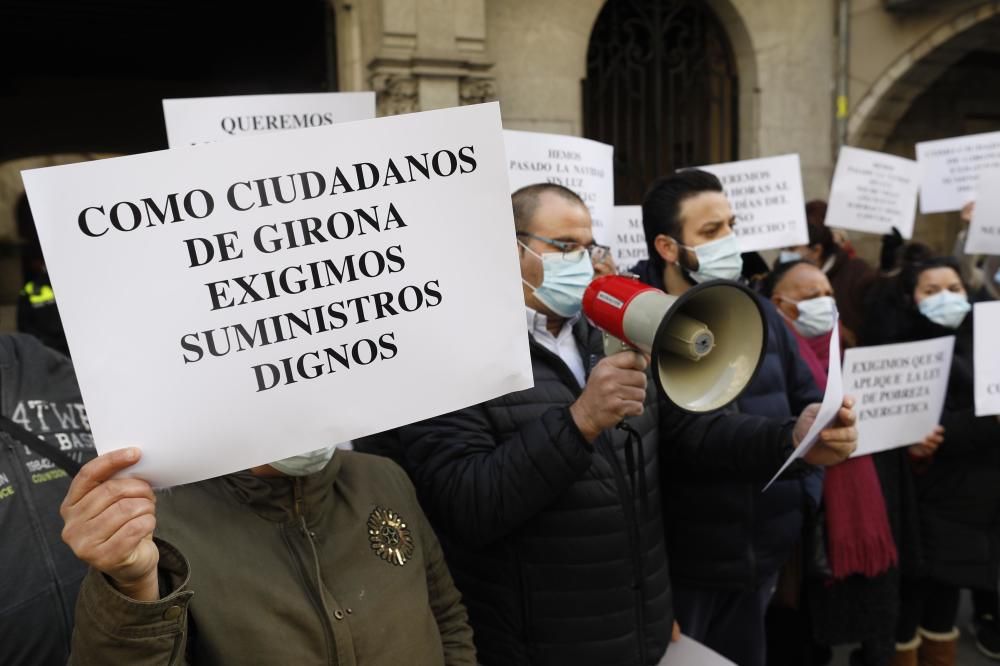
x=890, y=249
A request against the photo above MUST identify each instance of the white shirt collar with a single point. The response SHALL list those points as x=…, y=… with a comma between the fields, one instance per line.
x=538, y=322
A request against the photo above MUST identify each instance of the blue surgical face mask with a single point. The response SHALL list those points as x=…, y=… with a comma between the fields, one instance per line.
x=306, y=463
x=945, y=308
x=787, y=257
x=816, y=315
x=717, y=260
x=565, y=277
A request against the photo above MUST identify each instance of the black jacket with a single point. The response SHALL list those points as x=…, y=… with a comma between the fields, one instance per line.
x=39, y=575
x=557, y=551
x=729, y=535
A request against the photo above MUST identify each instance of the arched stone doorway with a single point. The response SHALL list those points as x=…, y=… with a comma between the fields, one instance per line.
x=662, y=87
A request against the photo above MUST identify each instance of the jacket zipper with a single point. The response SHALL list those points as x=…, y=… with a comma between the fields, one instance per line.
x=315, y=596
x=634, y=537
x=36, y=526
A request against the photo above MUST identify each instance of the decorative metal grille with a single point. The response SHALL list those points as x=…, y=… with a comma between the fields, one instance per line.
x=661, y=87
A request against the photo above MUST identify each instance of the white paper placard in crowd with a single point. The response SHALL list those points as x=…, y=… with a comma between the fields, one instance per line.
x=833, y=398
x=986, y=357
x=628, y=240
x=689, y=652
x=205, y=119
x=950, y=168
x=984, y=228
x=582, y=165
x=766, y=197
x=899, y=389
x=269, y=314
x=873, y=192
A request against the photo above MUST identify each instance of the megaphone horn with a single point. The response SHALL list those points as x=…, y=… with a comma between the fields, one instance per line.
x=706, y=345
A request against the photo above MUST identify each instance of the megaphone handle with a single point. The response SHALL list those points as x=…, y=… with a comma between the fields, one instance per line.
x=613, y=345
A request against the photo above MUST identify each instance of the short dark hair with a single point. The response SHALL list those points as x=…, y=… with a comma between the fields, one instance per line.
x=526, y=200
x=662, y=206
x=770, y=283
x=819, y=233
x=916, y=261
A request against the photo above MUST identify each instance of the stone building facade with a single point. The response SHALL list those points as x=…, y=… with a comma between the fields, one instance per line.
x=917, y=70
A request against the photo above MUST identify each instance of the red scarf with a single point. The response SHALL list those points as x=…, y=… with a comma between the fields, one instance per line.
x=859, y=539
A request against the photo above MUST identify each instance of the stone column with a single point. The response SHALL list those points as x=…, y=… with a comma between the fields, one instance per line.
x=428, y=54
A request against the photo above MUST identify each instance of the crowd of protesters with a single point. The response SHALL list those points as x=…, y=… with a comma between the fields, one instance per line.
x=582, y=521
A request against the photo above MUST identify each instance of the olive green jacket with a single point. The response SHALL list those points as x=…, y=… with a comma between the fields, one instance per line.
x=340, y=567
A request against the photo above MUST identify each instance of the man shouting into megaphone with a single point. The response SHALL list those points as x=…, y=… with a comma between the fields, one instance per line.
x=550, y=516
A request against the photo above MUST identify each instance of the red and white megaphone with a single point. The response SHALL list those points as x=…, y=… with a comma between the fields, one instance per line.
x=705, y=345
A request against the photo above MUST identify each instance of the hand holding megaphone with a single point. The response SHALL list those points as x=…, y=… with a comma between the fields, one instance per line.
x=615, y=389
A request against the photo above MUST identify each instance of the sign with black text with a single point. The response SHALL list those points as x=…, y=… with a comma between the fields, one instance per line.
x=873, y=192
x=950, y=168
x=900, y=391
x=206, y=119
x=984, y=228
x=986, y=357
x=235, y=303
x=766, y=197
x=628, y=240
x=581, y=165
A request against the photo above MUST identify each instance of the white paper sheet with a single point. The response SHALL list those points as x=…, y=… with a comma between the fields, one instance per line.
x=136, y=313
x=900, y=391
x=689, y=652
x=873, y=192
x=832, y=400
x=204, y=119
x=984, y=228
x=767, y=199
x=986, y=357
x=950, y=168
x=582, y=165
x=628, y=240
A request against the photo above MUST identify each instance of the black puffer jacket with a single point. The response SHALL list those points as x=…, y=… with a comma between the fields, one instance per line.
x=729, y=535
x=559, y=559
x=959, y=489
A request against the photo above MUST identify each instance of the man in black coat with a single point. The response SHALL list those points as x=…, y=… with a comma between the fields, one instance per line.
x=550, y=516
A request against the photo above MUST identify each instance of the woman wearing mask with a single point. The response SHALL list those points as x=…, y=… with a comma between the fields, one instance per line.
x=956, y=481
x=851, y=578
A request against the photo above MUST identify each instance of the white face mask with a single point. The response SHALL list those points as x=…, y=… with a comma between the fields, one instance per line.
x=945, y=308
x=717, y=260
x=565, y=276
x=817, y=316
x=787, y=257
x=306, y=463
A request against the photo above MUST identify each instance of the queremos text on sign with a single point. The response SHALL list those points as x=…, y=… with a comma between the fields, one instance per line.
x=234, y=303
x=766, y=197
x=205, y=119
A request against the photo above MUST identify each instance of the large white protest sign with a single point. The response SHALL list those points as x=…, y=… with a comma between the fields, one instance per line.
x=833, y=398
x=628, y=240
x=900, y=391
x=204, y=119
x=950, y=168
x=582, y=165
x=873, y=192
x=986, y=357
x=235, y=303
x=984, y=228
x=766, y=197
x=689, y=652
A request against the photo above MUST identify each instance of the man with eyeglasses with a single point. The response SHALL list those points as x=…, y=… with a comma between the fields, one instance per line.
x=549, y=515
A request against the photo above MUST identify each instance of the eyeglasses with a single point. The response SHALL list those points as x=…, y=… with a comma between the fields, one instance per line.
x=598, y=253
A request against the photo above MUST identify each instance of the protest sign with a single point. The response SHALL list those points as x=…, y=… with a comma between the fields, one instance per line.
x=628, y=241
x=950, y=168
x=234, y=303
x=833, y=398
x=984, y=228
x=689, y=652
x=582, y=165
x=766, y=197
x=899, y=389
x=986, y=357
x=205, y=119
x=873, y=192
